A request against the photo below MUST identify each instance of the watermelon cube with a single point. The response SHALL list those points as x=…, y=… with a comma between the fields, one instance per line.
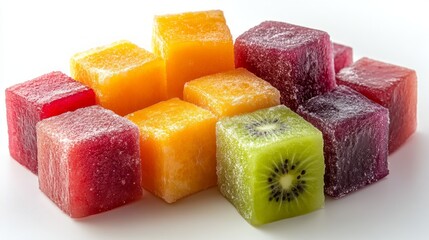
x=89, y=161
x=343, y=56
x=296, y=60
x=391, y=86
x=355, y=134
x=29, y=102
x=121, y=69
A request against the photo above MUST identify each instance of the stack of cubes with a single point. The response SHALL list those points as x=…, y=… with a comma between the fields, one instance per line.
x=391, y=86
x=202, y=111
x=29, y=102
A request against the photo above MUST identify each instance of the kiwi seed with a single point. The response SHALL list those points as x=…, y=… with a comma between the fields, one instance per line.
x=266, y=127
x=292, y=175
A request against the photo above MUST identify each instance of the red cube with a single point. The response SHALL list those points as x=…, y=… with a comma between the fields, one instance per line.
x=343, y=56
x=29, y=102
x=391, y=86
x=89, y=161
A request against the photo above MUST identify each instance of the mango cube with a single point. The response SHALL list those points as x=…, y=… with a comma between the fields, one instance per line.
x=124, y=76
x=231, y=93
x=193, y=44
x=178, y=148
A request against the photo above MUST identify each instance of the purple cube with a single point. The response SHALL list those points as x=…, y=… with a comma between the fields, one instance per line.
x=355, y=133
x=29, y=102
x=296, y=60
x=89, y=160
x=343, y=56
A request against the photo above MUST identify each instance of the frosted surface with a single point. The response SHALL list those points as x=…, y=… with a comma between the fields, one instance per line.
x=115, y=58
x=340, y=105
x=167, y=117
x=202, y=26
x=231, y=93
x=374, y=74
x=279, y=35
x=85, y=123
x=48, y=88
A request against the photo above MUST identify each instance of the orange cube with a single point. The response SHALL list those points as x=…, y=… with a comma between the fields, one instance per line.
x=193, y=45
x=178, y=148
x=230, y=93
x=124, y=76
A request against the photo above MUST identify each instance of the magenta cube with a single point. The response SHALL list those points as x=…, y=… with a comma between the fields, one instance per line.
x=296, y=60
x=391, y=86
x=29, y=102
x=355, y=134
x=343, y=56
x=89, y=161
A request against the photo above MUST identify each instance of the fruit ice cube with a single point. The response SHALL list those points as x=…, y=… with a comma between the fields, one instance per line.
x=343, y=56
x=231, y=93
x=29, y=102
x=391, y=86
x=177, y=142
x=296, y=60
x=270, y=164
x=193, y=44
x=89, y=161
x=355, y=133
x=124, y=76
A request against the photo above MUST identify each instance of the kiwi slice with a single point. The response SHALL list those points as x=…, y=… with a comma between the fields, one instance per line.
x=288, y=180
x=267, y=127
x=270, y=164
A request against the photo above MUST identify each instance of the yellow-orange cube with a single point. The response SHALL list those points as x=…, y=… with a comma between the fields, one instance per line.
x=193, y=44
x=124, y=76
x=178, y=148
x=231, y=93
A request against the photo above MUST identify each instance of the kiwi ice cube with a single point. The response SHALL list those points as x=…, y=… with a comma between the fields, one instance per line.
x=270, y=164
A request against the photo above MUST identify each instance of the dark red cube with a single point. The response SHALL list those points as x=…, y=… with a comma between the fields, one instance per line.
x=343, y=56
x=391, y=86
x=296, y=60
x=355, y=135
x=29, y=102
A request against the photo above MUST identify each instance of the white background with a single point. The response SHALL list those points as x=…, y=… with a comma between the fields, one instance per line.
x=40, y=36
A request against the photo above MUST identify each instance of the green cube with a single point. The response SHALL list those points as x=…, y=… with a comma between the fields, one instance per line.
x=270, y=164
